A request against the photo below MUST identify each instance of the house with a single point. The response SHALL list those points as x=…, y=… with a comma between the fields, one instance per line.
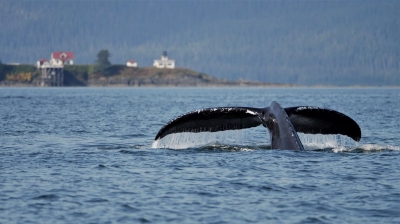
x=42, y=63
x=62, y=58
x=164, y=62
x=131, y=63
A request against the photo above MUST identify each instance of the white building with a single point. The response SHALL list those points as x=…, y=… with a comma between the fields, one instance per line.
x=131, y=63
x=164, y=62
x=62, y=58
x=58, y=60
x=42, y=63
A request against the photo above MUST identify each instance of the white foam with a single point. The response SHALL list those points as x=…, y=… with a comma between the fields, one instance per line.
x=367, y=148
x=379, y=147
x=375, y=147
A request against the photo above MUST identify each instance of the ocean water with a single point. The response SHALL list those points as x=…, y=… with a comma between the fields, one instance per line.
x=86, y=155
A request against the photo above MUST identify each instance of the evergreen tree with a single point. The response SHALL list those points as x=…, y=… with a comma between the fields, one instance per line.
x=102, y=63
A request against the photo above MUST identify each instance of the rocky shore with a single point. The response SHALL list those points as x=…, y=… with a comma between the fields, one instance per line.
x=167, y=77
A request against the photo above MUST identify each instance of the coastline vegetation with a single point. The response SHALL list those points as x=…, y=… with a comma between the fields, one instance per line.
x=116, y=75
x=23, y=74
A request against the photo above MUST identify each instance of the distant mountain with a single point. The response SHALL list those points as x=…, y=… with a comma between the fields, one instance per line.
x=299, y=42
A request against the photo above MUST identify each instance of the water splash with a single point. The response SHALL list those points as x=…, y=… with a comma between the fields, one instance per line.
x=368, y=148
x=249, y=140
x=319, y=141
x=246, y=138
x=189, y=140
x=340, y=143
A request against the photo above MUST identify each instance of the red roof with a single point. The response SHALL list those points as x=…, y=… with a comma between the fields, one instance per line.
x=63, y=56
x=43, y=60
x=132, y=61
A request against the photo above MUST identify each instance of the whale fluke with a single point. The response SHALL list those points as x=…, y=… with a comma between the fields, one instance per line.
x=316, y=120
x=283, y=124
x=212, y=120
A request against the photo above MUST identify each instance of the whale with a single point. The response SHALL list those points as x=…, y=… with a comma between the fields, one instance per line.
x=283, y=123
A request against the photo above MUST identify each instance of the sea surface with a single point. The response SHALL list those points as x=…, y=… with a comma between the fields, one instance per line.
x=86, y=155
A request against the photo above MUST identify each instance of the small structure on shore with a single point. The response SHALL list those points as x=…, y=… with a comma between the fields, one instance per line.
x=53, y=71
x=164, y=62
x=42, y=63
x=62, y=58
x=131, y=63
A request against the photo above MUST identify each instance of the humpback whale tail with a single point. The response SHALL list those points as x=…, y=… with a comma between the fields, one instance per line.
x=283, y=123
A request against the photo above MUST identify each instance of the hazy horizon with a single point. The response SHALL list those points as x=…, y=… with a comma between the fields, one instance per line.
x=308, y=42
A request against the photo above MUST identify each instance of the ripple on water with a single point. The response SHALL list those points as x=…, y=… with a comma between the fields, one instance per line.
x=47, y=197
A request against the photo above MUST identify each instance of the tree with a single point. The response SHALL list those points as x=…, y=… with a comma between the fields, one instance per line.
x=102, y=63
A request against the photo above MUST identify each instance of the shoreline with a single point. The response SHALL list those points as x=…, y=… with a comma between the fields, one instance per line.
x=204, y=86
x=127, y=77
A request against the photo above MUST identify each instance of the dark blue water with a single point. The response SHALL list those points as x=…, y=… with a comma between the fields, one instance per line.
x=85, y=155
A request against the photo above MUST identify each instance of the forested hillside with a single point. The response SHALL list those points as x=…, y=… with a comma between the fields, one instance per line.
x=305, y=42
